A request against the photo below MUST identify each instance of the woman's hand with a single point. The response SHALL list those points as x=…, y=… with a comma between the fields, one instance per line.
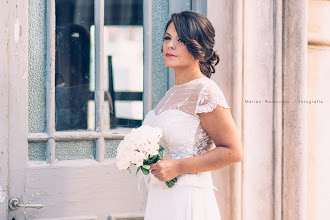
x=165, y=169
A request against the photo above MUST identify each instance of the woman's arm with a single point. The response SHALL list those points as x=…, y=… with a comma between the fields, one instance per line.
x=220, y=125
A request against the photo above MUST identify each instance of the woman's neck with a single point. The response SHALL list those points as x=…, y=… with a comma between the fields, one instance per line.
x=184, y=75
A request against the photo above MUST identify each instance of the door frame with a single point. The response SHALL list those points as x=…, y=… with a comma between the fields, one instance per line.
x=13, y=96
x=4, y=65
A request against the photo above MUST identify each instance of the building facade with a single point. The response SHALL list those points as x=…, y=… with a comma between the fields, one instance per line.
x=76, y=76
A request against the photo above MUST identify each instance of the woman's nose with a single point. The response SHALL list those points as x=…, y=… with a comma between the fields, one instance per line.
x=171, y=44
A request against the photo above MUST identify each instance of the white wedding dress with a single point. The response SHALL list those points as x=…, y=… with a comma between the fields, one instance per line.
x=192, y=197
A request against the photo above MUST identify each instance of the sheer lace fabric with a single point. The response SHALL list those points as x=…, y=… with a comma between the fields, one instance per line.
x=179, y=111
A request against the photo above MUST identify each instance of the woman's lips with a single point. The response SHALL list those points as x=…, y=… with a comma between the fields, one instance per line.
x=170, y=55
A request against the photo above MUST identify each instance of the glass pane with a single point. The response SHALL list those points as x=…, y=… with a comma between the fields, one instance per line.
x=72, y=64
x=111, y=148
x=123, y=63
x=37, y=151
x=74, y=150
x=123, y=48
x=37, y=68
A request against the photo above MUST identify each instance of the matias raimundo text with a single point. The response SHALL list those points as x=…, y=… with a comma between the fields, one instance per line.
x=247, y=101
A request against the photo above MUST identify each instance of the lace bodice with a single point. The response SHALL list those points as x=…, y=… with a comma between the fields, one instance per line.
x=178, y=115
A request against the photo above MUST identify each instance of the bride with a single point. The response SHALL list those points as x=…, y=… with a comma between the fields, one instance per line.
x=199, y=134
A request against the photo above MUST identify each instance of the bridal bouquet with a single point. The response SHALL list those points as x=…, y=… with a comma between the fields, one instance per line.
x=141, y=148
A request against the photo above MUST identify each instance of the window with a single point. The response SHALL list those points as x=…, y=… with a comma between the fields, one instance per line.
x=80, y=72
x=90, y=92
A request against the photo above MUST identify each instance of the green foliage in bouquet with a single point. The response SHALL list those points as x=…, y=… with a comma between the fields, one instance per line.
x=153, y=159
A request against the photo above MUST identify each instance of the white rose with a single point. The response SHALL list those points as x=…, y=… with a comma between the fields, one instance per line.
x=123, y=162
x=137, y=158
x=138, y=145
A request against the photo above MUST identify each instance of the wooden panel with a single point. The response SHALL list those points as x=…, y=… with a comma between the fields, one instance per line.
x=82, y=188
x=126, y=217
x=68, y=218
x=4, y=102
x=147, y=56
x=99, y=76
x=50, y=79
x=18, y=101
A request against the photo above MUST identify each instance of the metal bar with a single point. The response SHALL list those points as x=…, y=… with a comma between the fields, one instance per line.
x=99, y=76
x=50, y=78
x=126, y=122
x=147, y=56
x=131, y=96
x=111, y=94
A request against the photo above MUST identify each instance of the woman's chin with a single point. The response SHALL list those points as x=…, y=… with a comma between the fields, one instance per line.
x=171, y=65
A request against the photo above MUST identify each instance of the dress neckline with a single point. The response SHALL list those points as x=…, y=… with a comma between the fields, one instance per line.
x=194, y=80
x=169, y=110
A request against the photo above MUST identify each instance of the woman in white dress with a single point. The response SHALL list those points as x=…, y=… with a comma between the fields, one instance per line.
x=199, y=134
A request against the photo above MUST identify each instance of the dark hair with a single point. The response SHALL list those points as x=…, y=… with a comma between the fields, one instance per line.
x=197, y=33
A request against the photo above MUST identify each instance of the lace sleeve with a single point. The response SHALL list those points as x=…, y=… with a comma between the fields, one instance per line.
x=209, y=97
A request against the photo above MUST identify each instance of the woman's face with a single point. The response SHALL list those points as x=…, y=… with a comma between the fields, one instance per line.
x=175, y=52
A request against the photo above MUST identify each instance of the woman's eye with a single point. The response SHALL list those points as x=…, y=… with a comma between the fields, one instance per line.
x=180, y=40
x=166, y=38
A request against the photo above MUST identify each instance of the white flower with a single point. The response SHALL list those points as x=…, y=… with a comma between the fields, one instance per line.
x=137, y=146
x=137, y=158
x=123, y=162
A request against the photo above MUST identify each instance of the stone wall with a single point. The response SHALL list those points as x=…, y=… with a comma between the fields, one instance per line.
x=274, y=72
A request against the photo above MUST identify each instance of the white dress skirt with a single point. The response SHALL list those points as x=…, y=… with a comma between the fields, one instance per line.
x=191, y=198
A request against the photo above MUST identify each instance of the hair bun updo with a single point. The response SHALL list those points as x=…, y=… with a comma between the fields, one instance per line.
x=197, y=33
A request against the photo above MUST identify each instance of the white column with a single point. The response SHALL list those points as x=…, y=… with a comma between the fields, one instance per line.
x=294, y=114
x=235, y=171
x=277, y=116
x=227, y=19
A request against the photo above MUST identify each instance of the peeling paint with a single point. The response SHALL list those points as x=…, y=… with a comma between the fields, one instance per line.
x=25, y=74
x=17, y=30
x=3, y=195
